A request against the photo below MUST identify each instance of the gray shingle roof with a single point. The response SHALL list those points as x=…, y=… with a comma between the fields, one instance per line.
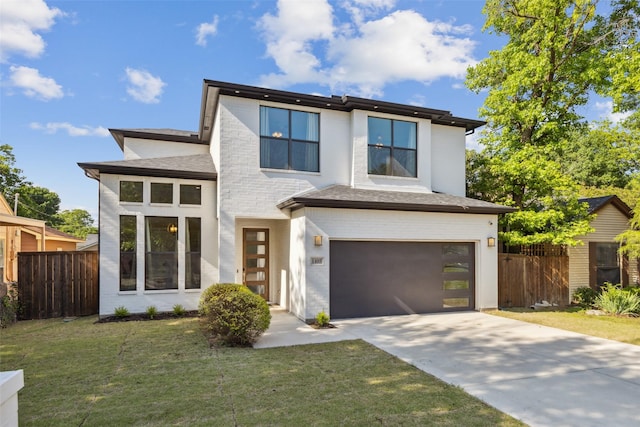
x=343, y=196
x=198, y=166
x=597, y=203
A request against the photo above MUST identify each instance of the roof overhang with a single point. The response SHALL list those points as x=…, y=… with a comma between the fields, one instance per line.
x=12, y=221
x=120, y=134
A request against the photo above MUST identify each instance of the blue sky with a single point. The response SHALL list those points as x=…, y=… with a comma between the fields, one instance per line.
x=70, y=70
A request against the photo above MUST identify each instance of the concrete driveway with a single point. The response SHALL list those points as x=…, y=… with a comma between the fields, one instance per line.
x=539, y=375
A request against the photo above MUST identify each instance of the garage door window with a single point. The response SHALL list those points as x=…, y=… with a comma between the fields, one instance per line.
x=457, y=275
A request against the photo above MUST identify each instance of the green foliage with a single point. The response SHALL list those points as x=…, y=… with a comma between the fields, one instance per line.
x=585, y=297
x=630, y=239
x=77, y=222
x=234, y=314
x=9, y=307
x=179, y=310
x=39, y=203
x=121, y=312
x=615, y=300
x=10, y=176
x=322, y=319
x=152, y=311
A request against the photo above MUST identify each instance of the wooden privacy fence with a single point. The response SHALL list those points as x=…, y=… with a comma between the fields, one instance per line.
x=57, y=284
x=524, y=280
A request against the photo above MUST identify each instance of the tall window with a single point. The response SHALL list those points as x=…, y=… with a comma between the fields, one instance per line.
x=392, y=147
x=131, y=191
x=128, y=240
x=289, y=139
x=192, y=253
x=161, y=253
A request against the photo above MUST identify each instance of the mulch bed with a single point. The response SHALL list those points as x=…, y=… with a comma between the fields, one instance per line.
x=144, y=316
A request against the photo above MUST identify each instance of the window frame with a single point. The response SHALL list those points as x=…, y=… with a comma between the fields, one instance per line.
x=392, y=147
x=133, y=275
x=173, y=256
x=187, y=203
x=189, y=283
x=141, y=185
x=290, y=140
x=151, y=193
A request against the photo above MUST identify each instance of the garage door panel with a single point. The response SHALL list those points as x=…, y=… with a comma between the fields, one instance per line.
x=390, y=278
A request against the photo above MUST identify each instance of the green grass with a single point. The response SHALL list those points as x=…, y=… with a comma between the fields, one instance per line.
x=164, y=373
x=624, y=329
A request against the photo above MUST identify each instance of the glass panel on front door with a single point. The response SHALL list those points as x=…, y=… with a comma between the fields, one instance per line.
x=255, y=261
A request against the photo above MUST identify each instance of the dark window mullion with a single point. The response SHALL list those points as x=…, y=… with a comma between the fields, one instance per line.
x=290, y=145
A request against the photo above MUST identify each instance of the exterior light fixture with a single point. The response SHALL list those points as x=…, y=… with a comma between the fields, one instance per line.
x=317, y=240
x=172, y=228
x=491, y=242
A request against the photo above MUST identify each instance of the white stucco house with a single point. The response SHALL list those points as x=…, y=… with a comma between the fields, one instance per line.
x=352, y=206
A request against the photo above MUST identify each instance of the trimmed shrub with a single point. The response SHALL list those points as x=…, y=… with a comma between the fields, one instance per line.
x=585, y=297
x=179, y=310
x=234, y=314
x=322, y=319
x=121, y=312
x=617, y=301
x=152, y=311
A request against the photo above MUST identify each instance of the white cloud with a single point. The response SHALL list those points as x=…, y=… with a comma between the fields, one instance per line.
x=206, y=29
x=20, y=23
x=606, y=112
x=143, y=86
x=309, y=45
x=34, y=85
x=54, y=127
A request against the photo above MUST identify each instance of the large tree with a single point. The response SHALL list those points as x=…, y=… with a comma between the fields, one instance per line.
x=10, y=176
x=38, y=203
x=76, y=222
x=556, y=54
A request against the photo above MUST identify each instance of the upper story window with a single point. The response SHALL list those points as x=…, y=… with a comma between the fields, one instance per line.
x=392, y=147
x=289, y=139
x=161, y=193
x=190, y=194
x=131, y=191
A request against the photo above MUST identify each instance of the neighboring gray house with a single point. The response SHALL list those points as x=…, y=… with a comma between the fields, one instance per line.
x=348, y=205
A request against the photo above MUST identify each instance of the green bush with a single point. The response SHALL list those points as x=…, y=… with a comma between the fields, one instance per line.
x=617, y=301
x=585, y=297
x=179, y=310
x=234, y=314
x=121, y=312
x=322, y=319
x=152, y=311
x=8, y=306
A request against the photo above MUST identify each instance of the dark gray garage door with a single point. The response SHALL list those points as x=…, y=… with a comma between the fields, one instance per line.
x=387, y=278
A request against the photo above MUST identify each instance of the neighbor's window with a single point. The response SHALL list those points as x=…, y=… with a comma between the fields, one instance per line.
x=192, y=253
x=161, y=193
x=289, y=139
x=392, y=147
x=128, y=238
x=161, y=253
x=190, y=194
x=131, y=191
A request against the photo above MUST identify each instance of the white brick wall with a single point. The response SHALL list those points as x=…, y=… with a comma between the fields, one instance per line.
x=448, y=153
x=110, y=211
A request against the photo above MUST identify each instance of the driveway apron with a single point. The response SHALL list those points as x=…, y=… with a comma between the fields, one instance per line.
x=542, y=376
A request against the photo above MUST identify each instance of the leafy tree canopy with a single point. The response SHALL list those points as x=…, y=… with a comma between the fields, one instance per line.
x=558, y=53
x=76, y=222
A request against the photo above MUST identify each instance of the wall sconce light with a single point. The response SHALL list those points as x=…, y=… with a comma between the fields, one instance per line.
x=172, y=228
x=317, y=240
x=491, y=242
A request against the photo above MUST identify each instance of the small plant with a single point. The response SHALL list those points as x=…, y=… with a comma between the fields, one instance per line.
x=152, y=311
x=585, y=297
x=617, y=301
x=322, y=319
x=179, y=310
x=121, y=312
x=9, y=307
x=234, y=314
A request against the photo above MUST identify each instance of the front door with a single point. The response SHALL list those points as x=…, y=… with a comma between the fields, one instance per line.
x=255, y=262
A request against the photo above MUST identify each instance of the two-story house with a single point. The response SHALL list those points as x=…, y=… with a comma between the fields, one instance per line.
x=352, y=206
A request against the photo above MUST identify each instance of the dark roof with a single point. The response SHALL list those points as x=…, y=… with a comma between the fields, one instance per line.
x=597, y=203
x=212, y=89
x=173, y=135
x=343, y=196
x=198, y=166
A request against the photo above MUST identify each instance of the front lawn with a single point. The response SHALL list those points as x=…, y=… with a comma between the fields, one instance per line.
x=164, y=373
x=624, y=329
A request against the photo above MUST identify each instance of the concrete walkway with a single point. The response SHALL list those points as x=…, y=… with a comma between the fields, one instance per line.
x=542, y=376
